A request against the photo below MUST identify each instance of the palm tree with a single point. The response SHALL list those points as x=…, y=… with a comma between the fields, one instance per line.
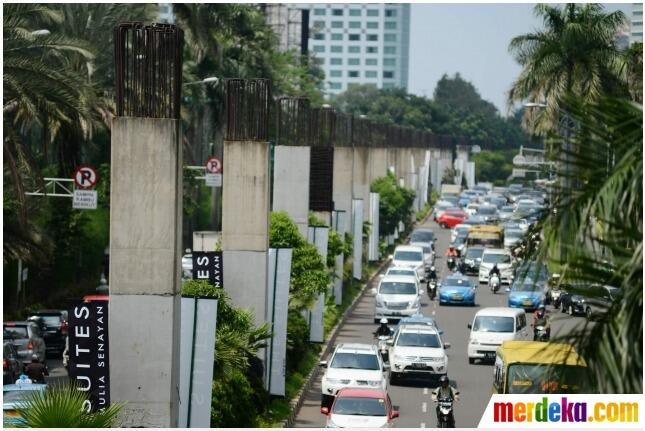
x=575, y=54
x=64, y=407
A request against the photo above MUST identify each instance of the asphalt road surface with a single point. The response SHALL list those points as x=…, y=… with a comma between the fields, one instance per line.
x=413, y=398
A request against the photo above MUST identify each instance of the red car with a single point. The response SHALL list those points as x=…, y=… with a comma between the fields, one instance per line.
x=360, y=408
x=452, y=218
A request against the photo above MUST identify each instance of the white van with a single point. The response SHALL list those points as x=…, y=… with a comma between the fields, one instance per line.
x=492, y=326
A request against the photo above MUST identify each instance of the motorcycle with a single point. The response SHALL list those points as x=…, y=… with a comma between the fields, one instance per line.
x=451, y=263
x=445, y=418
x=493, y=282
x=540, y=334
x=432, y=289
x=383, y=347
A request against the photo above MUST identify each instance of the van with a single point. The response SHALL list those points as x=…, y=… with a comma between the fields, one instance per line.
x=491, y=327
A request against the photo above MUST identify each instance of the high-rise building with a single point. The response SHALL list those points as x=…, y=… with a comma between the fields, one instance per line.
x=360, y=44
x=637, y=23
x=286, y=21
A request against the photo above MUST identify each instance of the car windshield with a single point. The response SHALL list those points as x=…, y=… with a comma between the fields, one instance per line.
x=14, y=332
x=416, y=339
x=506, y=209
x=513, y=233
x=474, y=253
x=50, y=320
x=15, y=396
x=462, y=230
x=528, y=286
x=397, y=288
x=356, y=406
x=357, y=361
x=401, y=271
x=496, y=258
x=494, y=324
x=422, y=236
x=486, y=210
x=456, y=282
x=408, y=256
x=544, y=379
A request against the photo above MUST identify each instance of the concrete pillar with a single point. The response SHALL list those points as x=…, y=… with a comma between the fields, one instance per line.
x=245, y=224
x=291, y=183
x=361, y=179
x=392, y=153
x=378, y=163
x=343, y=182
x=145, y=272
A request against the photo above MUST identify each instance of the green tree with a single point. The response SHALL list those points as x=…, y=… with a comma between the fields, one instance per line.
x=573, y=55
x=395, y=203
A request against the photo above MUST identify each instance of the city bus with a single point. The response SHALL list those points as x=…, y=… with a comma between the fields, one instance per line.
x=487, y=236
x=534, y=367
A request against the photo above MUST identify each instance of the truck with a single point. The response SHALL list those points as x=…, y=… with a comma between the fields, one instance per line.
x=450, y=190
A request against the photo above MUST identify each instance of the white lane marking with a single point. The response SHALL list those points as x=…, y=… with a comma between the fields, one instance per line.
x=425, y=391
x=424, y=407
x=422, y=425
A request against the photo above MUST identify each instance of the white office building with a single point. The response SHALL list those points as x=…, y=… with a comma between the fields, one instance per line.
x=637, y=23
x=165, y=13
x=360, y=44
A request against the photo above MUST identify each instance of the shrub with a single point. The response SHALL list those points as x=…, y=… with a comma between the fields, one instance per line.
x=297, y=339
x=233, y=404
x=395, y=203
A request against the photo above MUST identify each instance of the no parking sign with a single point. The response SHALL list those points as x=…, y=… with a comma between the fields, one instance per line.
x=213, y=175
x=85, y=179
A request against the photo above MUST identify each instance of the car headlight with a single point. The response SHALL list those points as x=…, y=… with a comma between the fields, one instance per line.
x=415, y=303
x=338, y=381
x=472, y=291
x=379, y=302
x=473, y=342
x=374, y=383
x=469, y=262
x=398, y=358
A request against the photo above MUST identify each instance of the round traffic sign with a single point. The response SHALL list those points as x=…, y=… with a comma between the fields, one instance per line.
x=519, y=160
x=214, y=166
x=86, y=177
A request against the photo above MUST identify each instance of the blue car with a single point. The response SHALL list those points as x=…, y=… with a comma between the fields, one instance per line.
x=457, y=289
x=526, y=294
x=12, y=396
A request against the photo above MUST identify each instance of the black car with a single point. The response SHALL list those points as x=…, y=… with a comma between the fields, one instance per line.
x=424, y=235
x=11, y=364
x=574, y=297
x=53, y=324
x=471, y=259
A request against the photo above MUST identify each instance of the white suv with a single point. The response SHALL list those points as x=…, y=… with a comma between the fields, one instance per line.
x=397, y=296
x=419, y=351
x=504, y=262
x=352, y=365
x=409, y=256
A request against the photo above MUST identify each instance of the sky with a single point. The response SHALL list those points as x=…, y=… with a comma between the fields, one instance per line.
x=471, y=39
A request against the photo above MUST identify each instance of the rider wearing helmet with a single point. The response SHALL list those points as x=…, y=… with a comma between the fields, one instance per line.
x=444, y=391
x=432, y=274
x=494, y=270
x=383, y=329
x=36, y=370
x=540, y=318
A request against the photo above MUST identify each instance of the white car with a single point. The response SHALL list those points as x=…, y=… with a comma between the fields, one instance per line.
x=506, y=212
x=352, y=365
x=397, y=296
x=491, y=327
x=397, y=270
x=410, y=256
x=460, y=228
x=504, y=262
x=417, y=350
x=428, y=253
x=512, y=237
x=187, y=266
x=471, y=209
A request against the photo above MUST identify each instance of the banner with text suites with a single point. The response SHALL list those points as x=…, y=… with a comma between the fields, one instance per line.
x=208, y=265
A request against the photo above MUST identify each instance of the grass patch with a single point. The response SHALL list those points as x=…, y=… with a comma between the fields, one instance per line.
x=423, y=212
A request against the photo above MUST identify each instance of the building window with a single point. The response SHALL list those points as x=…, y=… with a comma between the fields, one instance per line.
x=353, y=61
x=390, y=25
x=319, y=61
x=354, y=37
x=337, y=36
x=372, y=37
x=638, y=12
x=372, y=12
x=372, y=24
x=336, y=24
x=388, y=74
x=371, y=74
x=336, y=48
x=319, y=36
x=388, y=85
x=389, y=50
x=336, y=61
x=389, y=37
x=337, y=12
x=354, y=12
x=371, y=50
x=354, y=49
x=390, y=12
x=319, y=48
x=354, y=24
x=352, y=74
x=319, y=12
x=389, y=62
x=371, y=62
x=335, y=73
x=335, y=86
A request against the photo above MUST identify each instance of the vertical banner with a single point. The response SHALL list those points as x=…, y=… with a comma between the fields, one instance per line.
x=357, y=231
x=319, y=236
x=207, y=265
x=434, y=177
x=470, y=174
x=373, y=251
x=459, y=165
x=196, y=358
x=89, y=366
x=338, y=224
x=277, y=312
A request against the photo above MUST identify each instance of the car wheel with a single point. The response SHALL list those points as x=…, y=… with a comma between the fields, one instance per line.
x=588, y=313
x=394, y=379
x=562, y=307
x=570, y=310
x=471, y=361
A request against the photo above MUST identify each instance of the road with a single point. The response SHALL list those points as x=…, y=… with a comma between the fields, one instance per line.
x=413, y=398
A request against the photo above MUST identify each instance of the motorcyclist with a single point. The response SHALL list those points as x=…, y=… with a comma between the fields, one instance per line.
x=383, y=329
x=495, y=271
x=36, y=371
x=444, y=391
x=452, y=252
x=540, y=318
x=432, y=274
